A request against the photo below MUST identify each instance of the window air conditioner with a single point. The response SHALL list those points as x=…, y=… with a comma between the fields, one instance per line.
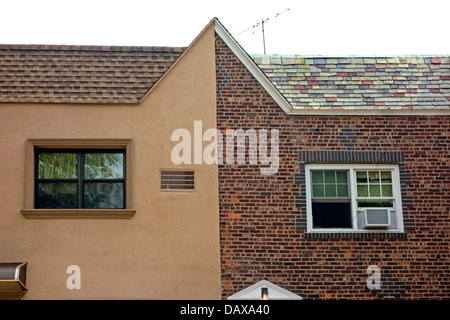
x=376, y=218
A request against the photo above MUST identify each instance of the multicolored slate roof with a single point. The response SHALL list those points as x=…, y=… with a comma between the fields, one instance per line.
x=81, y=74
x=411, y=82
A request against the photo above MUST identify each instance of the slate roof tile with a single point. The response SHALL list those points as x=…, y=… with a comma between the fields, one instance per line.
x=412, y=82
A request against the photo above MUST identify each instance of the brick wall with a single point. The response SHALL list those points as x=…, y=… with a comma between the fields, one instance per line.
x=262, y=218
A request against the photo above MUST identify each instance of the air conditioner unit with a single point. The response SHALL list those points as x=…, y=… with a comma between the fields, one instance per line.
x=376, y=218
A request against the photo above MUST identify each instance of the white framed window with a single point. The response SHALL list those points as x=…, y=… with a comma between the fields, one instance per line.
x=353, y=197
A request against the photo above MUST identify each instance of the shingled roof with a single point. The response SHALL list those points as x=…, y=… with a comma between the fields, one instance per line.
x=412, y=82
x=81, y=74
x=115, y=74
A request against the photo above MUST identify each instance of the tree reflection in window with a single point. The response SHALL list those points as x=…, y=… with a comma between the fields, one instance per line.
x=80, y=179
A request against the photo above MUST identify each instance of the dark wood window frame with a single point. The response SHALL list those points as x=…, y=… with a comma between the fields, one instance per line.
x=77, y=145
x=80, y=180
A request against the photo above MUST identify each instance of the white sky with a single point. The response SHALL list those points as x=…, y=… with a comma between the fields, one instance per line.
x=321, y=27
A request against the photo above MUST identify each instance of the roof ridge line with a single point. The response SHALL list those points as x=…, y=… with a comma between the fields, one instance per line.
x=110, y=48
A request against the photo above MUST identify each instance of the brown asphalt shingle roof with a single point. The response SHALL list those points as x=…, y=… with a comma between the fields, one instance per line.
x=81, y=74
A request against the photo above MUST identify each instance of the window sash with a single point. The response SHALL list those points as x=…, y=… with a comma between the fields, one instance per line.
x=335, y=189
x=353, y=198
x=80, y=179
x=374, y=187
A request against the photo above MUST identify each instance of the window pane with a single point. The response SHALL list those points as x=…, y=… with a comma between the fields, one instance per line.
x=331, y=215
x=375, y=203
x=54, y=165
x=341, y=176
x=103, y=195
x=56, y=195
x=342, y=191
x=363, y=190
x=330, y=177
x=330, y=190
x=317, y=176
x=318, y=191
x=386, y=190
x=361, y=177
x=103, y=166
x=374, y=190
x=386, y=177
x=374, y=177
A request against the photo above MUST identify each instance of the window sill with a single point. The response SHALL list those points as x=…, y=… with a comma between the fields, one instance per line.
x=357, y=235
x=78, y=213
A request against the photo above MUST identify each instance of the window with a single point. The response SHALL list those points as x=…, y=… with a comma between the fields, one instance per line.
x=353, y=197
x=78, y=178
x=330, y=193
x=177, y=180
x=92, y=179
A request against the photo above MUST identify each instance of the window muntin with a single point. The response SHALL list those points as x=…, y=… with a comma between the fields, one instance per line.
x=90, y=179
x=367, y=186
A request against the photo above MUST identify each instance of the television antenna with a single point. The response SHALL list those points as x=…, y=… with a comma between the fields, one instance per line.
x=262, y=26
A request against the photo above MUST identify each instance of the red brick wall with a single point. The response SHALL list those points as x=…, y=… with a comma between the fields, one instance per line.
x=262, y=218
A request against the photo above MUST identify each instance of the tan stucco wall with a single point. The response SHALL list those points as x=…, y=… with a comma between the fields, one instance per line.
x=170, y=248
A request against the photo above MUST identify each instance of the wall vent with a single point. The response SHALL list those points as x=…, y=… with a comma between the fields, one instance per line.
x=177, y=180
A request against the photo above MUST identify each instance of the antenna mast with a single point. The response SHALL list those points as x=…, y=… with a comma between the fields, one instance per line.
x=262, y=26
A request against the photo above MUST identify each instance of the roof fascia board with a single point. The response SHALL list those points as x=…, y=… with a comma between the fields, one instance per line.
x=371, y=112
x=176, y=61
x=252, y=67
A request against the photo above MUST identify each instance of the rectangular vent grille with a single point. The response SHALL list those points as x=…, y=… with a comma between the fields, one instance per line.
x=177, y=180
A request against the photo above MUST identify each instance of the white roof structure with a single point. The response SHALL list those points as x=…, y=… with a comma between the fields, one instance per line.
x=274, y=292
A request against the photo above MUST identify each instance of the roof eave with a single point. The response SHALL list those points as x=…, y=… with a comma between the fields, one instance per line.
x=369, y=112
